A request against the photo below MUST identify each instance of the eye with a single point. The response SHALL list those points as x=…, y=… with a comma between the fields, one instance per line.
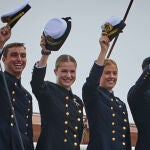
x=107, y=72
x=64, y=71
x=115, y=73
x=23, y=55
x=72, y=71
x=14, y=54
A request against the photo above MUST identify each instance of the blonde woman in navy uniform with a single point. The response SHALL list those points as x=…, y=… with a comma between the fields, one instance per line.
x=61, y=110
x=14, y=59
x=106, y=113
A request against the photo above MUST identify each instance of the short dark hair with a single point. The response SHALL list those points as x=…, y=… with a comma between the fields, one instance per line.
x=5, y=49
x=146, y=62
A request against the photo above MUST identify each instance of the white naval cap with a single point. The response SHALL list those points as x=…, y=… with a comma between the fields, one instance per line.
x=55, y=28
x=112, y=20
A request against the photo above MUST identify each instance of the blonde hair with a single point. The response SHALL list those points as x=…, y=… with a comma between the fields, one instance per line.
x=109, y=62
x=64, y=58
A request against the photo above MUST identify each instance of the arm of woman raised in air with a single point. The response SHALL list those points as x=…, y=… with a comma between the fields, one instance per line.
x=39, y=71
x=95, y=74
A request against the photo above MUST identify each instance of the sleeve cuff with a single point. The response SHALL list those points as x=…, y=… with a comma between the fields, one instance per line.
x=37, y=65
x=98, y=64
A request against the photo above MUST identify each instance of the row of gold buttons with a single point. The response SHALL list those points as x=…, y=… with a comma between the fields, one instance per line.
x=14, y=100
x=113, y=123
x=66, y=122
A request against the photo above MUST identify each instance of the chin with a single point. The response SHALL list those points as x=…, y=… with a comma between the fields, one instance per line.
x=18, y=73
x=109, y=88
x=67, y=86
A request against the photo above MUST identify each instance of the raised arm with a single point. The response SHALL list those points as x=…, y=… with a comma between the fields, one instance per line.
x=104, y=43
x=5, y=33
x=39, y=71
x=45, y=53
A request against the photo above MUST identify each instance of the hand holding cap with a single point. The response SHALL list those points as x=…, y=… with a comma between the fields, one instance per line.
x=113, y=26
x=56, y=32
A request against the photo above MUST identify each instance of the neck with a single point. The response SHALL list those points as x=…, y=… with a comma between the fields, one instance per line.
x=67, y=88
x=17, y=75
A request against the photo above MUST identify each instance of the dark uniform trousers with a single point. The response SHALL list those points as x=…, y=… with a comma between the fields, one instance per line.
x=61, y=114
x=107, y=115
x=22, y=105
x=139, y=102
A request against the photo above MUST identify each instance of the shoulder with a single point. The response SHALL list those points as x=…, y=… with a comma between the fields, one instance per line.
x=50, y=84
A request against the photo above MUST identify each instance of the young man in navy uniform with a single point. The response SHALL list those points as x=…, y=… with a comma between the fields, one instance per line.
x=14, y=59
x=106, y=113
x=139, y=102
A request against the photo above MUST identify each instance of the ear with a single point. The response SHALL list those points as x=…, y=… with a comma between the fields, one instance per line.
x=3, y=59
x=55, y=71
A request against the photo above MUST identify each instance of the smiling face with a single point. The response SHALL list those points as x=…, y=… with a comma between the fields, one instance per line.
x=66, y=74
x=109, y=77
x=15, y=60
x=65, y=71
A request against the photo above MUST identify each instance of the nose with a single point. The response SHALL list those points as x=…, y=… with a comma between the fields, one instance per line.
x=19, y=58
x=112, y=75
x=68, y=74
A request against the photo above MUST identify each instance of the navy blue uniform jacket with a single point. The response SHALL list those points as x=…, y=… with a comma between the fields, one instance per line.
x=22, y=105
x=139, y=102
x=107, y=115
x=61, y=114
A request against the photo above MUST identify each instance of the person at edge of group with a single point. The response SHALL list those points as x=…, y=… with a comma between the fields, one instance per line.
x=14, y=59
x=139, y=103
x=61, y=110
x=106, y=113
